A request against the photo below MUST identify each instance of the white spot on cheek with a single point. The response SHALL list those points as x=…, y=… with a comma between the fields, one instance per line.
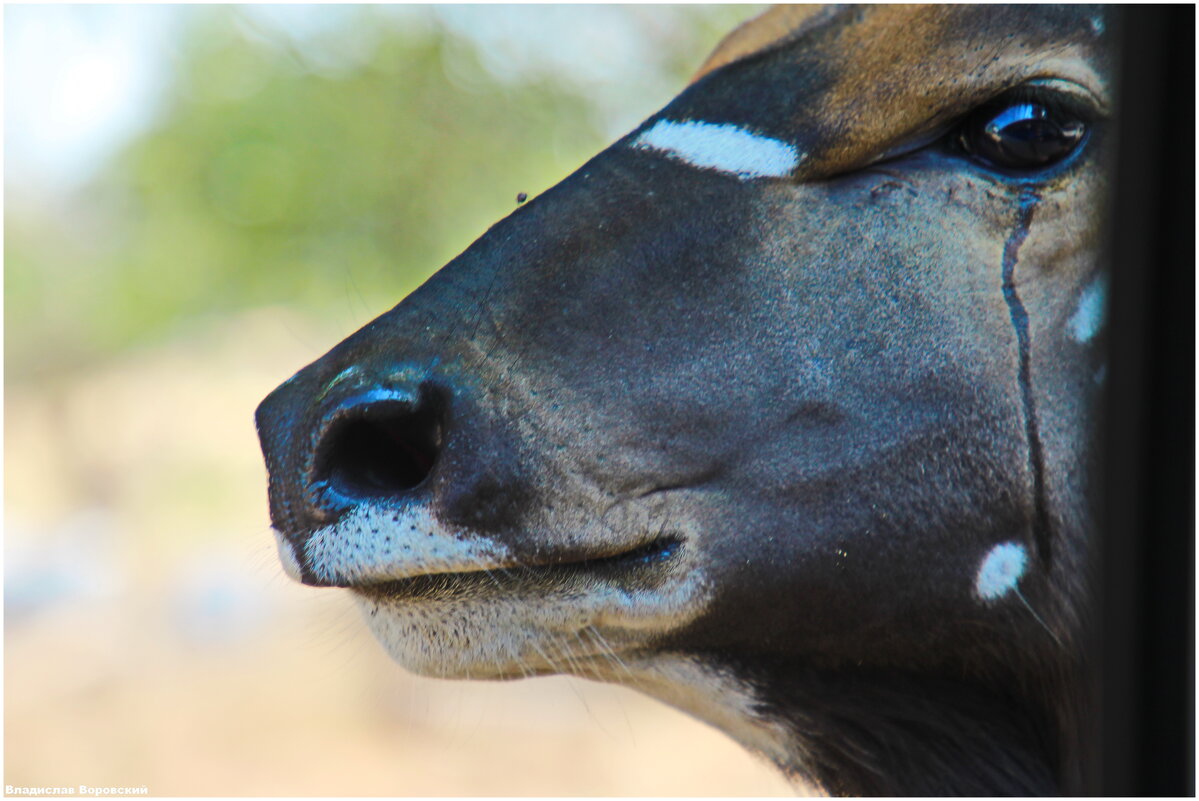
x=722, y=147
x=1088, y=318
x=1097, y=25
x=1001, y=571
x=287, y=555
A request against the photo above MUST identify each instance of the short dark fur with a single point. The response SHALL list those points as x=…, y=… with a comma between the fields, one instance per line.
x=836, y=391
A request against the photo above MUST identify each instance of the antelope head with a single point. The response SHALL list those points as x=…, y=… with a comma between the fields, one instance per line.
x=777, y=409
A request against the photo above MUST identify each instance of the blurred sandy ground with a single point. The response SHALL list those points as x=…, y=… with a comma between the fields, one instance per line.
x=151, y=638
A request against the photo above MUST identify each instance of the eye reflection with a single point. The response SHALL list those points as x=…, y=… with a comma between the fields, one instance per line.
x=1025, y=135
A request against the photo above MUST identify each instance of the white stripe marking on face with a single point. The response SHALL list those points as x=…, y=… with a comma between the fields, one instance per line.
x=722, y=147
x=1088, y=318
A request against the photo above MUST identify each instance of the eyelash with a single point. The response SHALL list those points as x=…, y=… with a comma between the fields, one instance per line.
x=1055, y=101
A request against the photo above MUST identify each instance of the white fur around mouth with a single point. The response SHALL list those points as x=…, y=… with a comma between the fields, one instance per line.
x=574, y=623
x=374, y=544
x=452, y=604
x=378, y=550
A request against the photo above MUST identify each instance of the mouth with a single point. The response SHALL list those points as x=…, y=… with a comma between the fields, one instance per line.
x=639, y=568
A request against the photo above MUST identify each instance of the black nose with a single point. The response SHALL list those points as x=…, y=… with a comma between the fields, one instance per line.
x=376, y=445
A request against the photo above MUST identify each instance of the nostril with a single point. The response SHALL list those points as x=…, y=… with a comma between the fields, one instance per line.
x=377, y=449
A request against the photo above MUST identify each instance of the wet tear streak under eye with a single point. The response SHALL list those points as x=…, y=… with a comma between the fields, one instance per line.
x=1036, y=460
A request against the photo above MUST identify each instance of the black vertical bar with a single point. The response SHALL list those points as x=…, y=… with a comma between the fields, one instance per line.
x=1147, y=581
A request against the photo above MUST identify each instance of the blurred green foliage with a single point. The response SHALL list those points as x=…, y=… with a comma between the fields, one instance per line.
x=275, y=175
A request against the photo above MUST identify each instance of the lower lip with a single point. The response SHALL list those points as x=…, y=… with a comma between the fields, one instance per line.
x=640, y=568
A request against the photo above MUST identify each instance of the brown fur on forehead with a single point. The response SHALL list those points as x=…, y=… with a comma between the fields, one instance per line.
x=883, y=74
x=904, y=62
x=768, y=29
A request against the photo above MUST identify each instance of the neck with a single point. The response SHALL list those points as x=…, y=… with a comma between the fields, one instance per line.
x=888, y=733
x=867, y=732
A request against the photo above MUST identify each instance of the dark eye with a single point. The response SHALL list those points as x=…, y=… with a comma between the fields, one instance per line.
x=1022, y=134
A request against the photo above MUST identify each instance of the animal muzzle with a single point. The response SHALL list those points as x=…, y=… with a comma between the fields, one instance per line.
x=340, y=443
x=476, y=417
